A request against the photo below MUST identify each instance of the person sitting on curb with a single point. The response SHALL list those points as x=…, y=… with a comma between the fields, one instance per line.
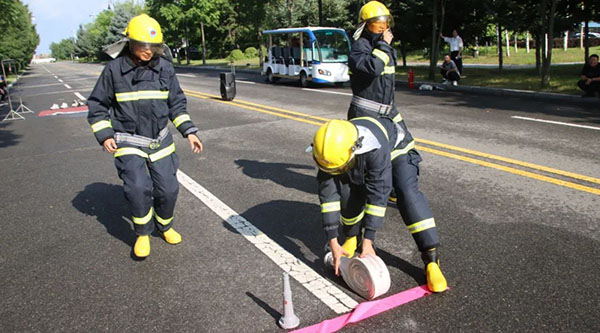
x=590, y=77
x=449, y=71
x=3, y=91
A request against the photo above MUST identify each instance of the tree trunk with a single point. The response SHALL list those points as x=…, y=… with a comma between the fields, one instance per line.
x=507, y=43
x=403, y=53
x=538, y=54
x=260, y=47
x=547, y=60
x=586, y=41
x=203, y=44
x=290, y=7
x=434, y=40
x=499, y=44
x=527, y=43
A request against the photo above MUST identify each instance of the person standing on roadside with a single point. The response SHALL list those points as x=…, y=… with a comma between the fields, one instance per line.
x=456, y=47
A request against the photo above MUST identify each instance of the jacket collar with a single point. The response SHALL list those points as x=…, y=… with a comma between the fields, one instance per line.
x=127, y=64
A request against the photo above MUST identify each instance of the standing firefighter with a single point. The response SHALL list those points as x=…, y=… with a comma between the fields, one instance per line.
x=372, y=64
x=129, y=108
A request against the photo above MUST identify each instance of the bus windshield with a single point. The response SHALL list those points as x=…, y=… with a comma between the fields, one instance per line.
x=334, y=45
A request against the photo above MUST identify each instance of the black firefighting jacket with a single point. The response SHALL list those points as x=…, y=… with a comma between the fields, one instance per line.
x=137, y=100
x=370, y=178
x=372, y=66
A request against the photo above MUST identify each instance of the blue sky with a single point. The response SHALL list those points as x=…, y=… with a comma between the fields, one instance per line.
x=58, y=19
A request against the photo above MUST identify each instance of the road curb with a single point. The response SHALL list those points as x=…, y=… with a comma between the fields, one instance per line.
x=475, y=90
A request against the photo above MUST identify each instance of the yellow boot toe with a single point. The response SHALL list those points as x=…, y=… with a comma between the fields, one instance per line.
x=436, y=282
x=172, y=237
x=141, y=249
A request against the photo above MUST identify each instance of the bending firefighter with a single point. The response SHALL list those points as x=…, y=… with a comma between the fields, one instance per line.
x=372, y=65
x=129, y=108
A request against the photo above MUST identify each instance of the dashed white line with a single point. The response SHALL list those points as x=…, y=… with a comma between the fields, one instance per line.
x=60, y=80
x=68, y=86
x=247, y=82
x=557, y=123
x=328, y=92
x=324, y=290
x=187, y=75
x=80, y=96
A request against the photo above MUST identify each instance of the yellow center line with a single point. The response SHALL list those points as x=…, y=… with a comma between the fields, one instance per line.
x=513, y=170
x=511, y=161
x=247, y=105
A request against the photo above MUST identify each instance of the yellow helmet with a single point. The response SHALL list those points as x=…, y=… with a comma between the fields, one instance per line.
x=145, y=29
x=373, y=9
x=334, y=145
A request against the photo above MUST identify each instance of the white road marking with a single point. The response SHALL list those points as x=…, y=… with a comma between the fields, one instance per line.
x=187, y=75
x=324, y=290
x=557, y=123
x=328, y=92
x=248, y=82
x=68, y=86
x=41, y=85
x=59, y=80
x=80, y=96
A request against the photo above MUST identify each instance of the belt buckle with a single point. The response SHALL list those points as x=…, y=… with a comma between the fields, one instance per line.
x=382, y=110
x=154, y=144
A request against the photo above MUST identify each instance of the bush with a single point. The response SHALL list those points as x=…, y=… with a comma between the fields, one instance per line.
x=235, y=55
x=251, y=52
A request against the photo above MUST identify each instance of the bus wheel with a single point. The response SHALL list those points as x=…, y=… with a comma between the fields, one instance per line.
x=303, y=80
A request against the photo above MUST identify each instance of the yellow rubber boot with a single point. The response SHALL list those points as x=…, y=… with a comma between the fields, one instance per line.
x=172, y=237
x=436, y=282
x=141, y=249
x=350, y=246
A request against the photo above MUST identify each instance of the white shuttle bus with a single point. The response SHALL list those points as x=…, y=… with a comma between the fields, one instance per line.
x=310, y=54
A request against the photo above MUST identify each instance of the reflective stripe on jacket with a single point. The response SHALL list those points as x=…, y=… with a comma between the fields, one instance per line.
x=137, y=100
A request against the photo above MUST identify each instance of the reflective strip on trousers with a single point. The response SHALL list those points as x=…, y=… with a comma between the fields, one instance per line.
x=376, y=123
x=144, y=94
x=152, y=157
x=381, y=55
x=375, y=210
x=181, y=119
x=398, y=152
x=145, y=219
x=420, y=226
x=163, y=221
x=353, y=220
x=329, y=207
x=102, y=124
x=397, y=118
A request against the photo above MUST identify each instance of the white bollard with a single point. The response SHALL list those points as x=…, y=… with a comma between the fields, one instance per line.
x=289, y=320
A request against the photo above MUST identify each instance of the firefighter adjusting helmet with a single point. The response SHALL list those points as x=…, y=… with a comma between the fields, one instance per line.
x=144, y=31
x=334, y=146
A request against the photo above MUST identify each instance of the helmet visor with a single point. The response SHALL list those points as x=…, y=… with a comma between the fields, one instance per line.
x=156, y=48
x=384, y=21
x=338, y=170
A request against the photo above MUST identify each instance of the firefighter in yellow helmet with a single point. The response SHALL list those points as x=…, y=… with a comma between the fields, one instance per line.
x=141, y=89
x=372, y=64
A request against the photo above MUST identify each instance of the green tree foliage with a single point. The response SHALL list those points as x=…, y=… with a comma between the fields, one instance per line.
x=63, y=50
x=19, y=38
x=122, y=14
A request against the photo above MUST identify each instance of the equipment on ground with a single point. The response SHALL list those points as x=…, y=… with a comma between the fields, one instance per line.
x=289, y=320
x=228, y=85
x=368, y=276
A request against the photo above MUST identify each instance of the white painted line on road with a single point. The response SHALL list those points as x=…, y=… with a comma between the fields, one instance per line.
x=187, y=75
x=68, y=86
x=80, y=96
x=328, y=92
x=324, y=290
x=248, y=82
x=41, y=85
x=61, y=81
x=557, y=123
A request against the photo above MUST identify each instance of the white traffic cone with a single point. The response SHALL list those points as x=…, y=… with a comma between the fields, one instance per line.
x=289, y=320
x=81, y=103
x=64, y=105
x=54, y=106
x=75, y=103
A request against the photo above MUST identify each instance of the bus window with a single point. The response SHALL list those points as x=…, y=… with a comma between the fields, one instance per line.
x=334, y=45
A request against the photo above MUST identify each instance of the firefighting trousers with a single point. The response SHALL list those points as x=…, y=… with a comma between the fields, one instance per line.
x=151, y=189
x=411, y=201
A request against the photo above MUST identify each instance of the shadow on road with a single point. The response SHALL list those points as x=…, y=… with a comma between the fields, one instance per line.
x=107, y=203
x=281, y=174
x=7, y=137
x=272, y=312
x=290, y=222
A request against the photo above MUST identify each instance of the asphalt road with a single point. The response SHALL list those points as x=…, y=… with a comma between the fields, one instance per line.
x=514, y=186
